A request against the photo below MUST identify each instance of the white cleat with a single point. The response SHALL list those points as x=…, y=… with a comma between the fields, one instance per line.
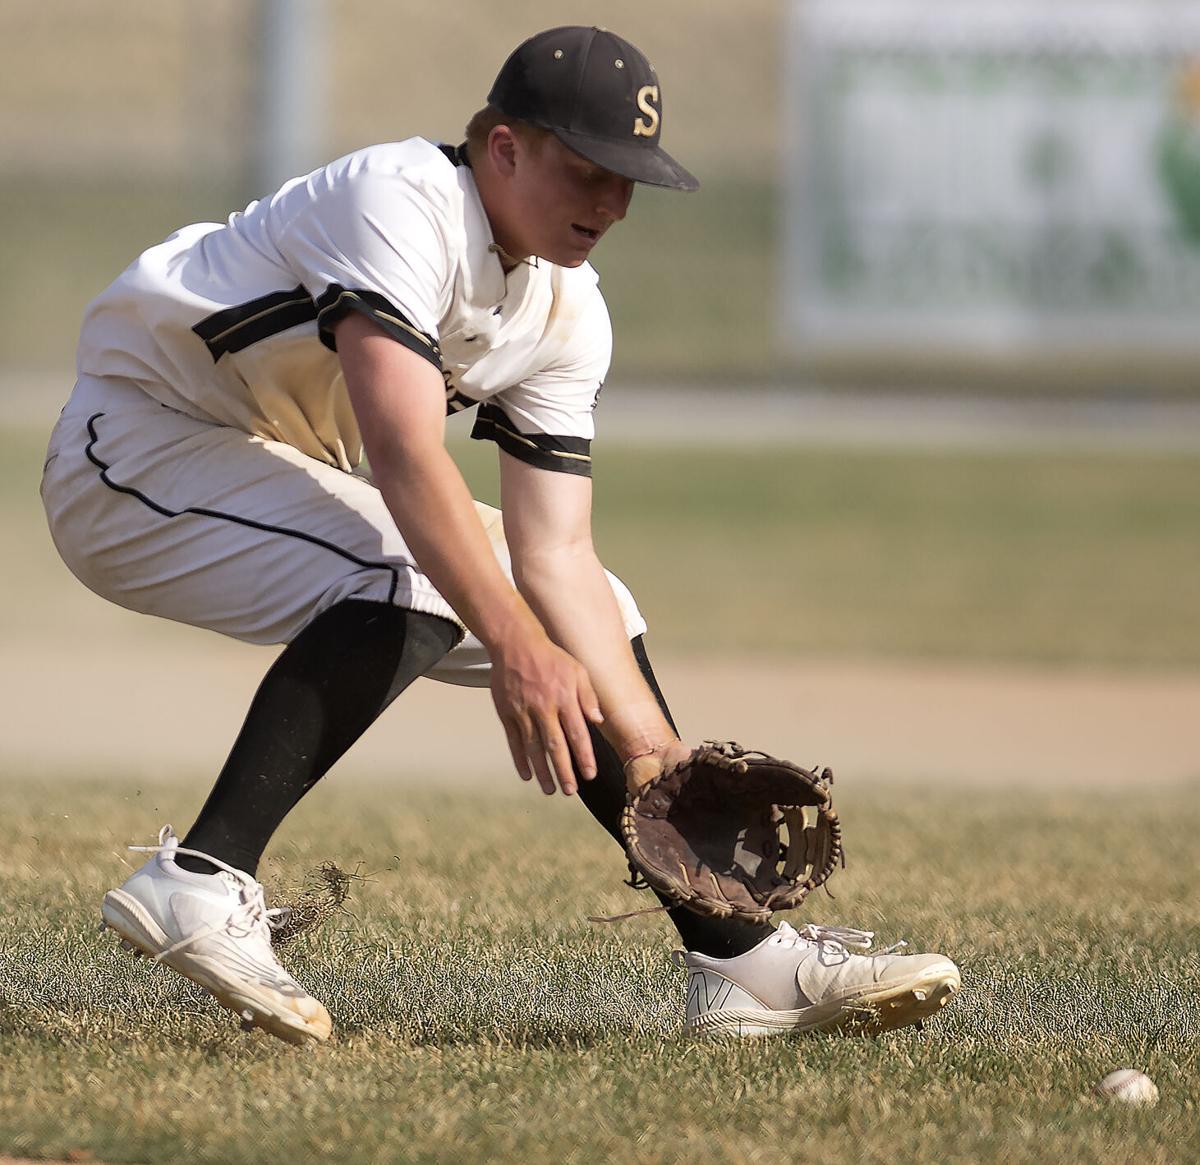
x=214, y=929
x=812, y=980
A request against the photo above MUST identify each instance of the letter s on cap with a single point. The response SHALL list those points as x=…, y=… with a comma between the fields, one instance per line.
x=642, y=127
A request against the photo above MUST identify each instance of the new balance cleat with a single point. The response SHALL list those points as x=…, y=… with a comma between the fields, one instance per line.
x=214, y=929
x=814, y=979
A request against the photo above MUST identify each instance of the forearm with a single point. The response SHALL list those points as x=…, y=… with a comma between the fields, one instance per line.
x=542, y=696
x=432, y=506
x=571, y=595
x=399, y=402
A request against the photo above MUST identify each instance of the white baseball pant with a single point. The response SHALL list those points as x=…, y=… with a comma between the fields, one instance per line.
x=207, y=525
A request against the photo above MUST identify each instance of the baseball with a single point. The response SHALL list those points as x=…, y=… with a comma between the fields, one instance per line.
x=1129, y=1086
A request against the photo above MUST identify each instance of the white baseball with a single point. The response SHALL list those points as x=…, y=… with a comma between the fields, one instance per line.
x=1129, y=1086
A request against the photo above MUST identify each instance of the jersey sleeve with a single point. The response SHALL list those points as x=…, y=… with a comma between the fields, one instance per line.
x=375, y=244
x=547, y=420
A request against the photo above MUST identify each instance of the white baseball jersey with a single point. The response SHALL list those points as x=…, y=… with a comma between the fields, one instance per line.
x=233, y=323
x=230, y=508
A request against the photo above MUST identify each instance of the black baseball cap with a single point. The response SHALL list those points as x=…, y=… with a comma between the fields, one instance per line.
x=598, y=95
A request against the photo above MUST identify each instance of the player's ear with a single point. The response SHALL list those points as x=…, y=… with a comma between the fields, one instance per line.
x=502, y=150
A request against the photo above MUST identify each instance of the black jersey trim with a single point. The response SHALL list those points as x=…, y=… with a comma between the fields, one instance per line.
x=235, y=328
x=237, y=519
x=338, y=301
x=457, y=155
x=542, y=450
x=457, y=402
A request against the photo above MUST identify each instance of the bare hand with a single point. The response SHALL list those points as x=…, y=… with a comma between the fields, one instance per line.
x=545, y=701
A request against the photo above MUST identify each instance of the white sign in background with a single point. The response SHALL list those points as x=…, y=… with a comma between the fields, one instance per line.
x=1011, y=177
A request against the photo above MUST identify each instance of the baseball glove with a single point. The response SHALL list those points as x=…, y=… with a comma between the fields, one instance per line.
x=710, y=832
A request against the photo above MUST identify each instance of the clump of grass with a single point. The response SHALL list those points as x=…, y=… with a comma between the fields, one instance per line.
x=321, y=894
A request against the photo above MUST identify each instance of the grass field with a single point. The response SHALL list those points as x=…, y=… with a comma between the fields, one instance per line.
x=1083, y=559
x=479, y=1017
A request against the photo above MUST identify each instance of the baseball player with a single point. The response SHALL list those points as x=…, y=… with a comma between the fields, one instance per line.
x=206, y=469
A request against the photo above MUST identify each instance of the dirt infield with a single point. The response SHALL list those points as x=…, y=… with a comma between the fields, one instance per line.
x=171, y=704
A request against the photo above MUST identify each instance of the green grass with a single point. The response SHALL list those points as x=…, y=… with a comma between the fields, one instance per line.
x=1087, y=559
x=479, y=1017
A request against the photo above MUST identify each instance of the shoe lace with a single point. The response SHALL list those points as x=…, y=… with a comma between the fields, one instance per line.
x=846, y=937
x=249, y=915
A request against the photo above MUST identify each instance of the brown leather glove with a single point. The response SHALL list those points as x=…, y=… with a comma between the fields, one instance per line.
x=733, y=832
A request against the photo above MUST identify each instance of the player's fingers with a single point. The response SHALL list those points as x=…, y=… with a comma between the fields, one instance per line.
x=560, y=757
x=579, y=741
x=588, y=700
x=541, y=767
x=518, y=747
x=553, y=753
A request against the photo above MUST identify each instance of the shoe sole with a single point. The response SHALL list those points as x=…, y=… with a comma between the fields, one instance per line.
x=866, y=1013
x=130, y=920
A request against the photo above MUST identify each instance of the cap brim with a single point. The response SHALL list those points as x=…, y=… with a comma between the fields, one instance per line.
x=654, y=167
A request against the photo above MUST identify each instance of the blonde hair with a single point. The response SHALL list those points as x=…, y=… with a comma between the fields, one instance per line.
x=482, y=123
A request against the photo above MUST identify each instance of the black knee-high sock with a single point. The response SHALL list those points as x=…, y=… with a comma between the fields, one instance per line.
x=604, y=796
x=325, y=689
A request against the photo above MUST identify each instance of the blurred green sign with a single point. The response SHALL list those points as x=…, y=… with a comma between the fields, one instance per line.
x=1007, y=176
